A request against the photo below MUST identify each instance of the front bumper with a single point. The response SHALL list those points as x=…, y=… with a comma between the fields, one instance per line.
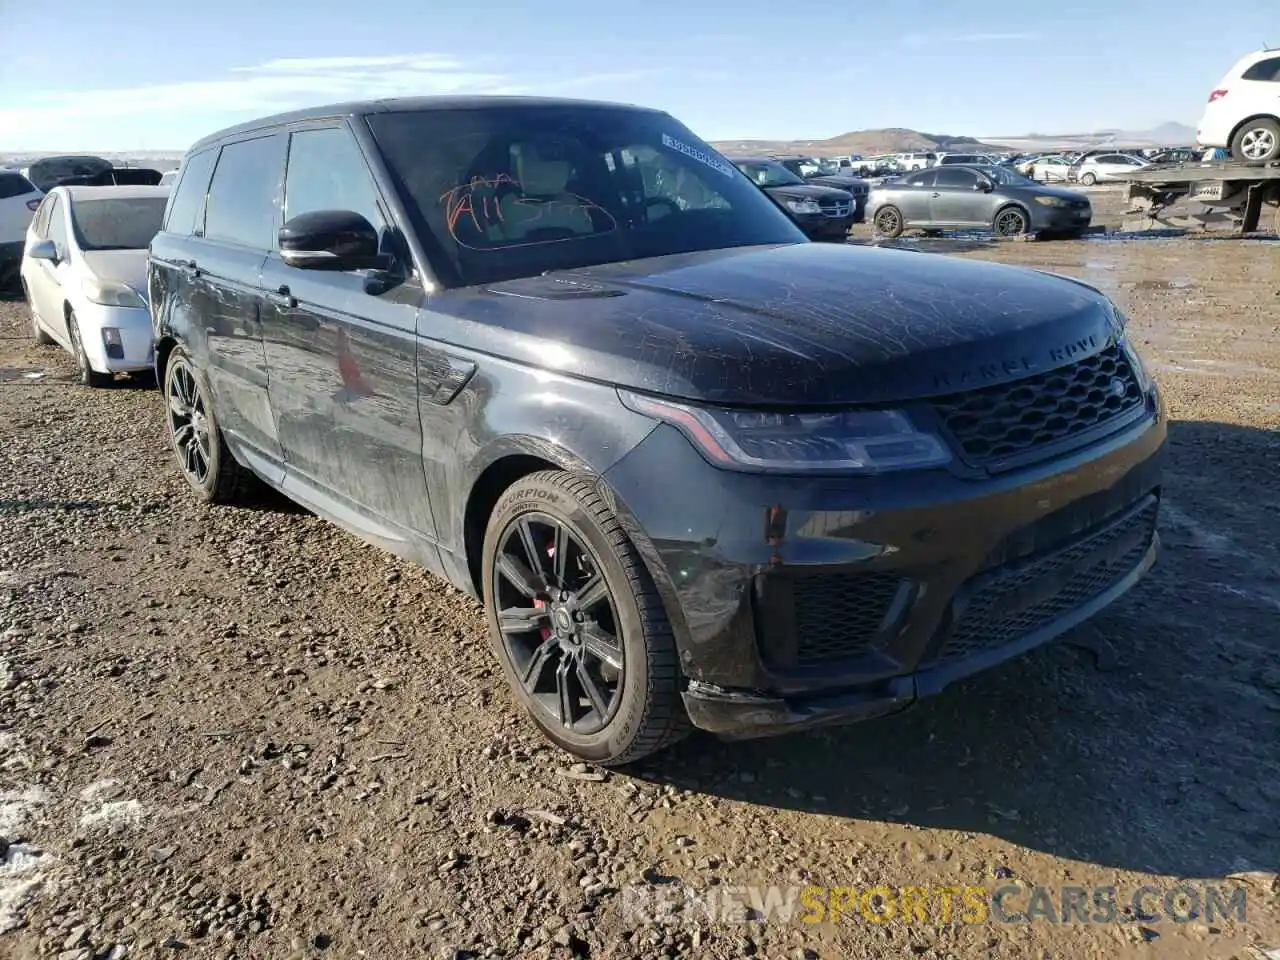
x=135, y=352
x=1059, y=219
x=804, y=602
x=818, y=226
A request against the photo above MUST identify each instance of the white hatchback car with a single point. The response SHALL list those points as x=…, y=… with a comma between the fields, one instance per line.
x=84, y=272
x=1243, y=112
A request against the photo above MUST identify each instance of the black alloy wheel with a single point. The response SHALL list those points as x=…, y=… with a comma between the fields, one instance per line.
x=559, y=623
x=198, y=445
x=1011, y=222
x=577, y=622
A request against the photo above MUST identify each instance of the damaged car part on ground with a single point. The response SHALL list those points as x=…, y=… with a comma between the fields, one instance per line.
x=569, y=358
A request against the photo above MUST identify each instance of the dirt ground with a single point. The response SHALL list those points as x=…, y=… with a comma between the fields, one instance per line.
x=242, y=733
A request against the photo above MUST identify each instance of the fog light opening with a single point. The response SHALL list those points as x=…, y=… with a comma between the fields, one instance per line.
x=112, y=341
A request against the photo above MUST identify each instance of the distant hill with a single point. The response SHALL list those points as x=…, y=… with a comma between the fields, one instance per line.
x=867, y=143
x=1169, y=134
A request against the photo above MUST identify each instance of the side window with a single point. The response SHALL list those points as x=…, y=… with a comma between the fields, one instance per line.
x=1265, y=70
x=327, y=172
x=242, y=196
x=14, y=185
x=57, y=226
x=186, y=207
x=956, y=177
x=925, y=178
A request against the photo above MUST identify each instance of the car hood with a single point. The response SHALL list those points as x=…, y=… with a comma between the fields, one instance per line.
x=780, y=325
x=124, y=266
x=850, y=184
x=808, y=191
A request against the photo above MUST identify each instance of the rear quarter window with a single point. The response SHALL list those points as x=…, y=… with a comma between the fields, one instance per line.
x=14, y=185
x=186, y=205
x=1265, y=70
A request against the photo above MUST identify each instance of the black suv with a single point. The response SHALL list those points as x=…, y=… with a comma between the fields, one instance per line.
x=822, y=212
x=696, y=468
x=823, y=173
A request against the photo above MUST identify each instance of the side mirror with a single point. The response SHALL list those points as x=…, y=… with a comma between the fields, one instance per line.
x=43, y=250
x=330, y=240
x=983, y=186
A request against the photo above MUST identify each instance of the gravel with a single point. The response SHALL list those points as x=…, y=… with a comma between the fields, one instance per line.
x=239, y=732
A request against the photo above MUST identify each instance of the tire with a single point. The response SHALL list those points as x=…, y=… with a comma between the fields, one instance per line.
x=888, y=222
x=38, y=333
x=553, y=641
x=1011, y=222
x=1257, y=141
x=201, y=452
x=1088, y=179
x=88, y=376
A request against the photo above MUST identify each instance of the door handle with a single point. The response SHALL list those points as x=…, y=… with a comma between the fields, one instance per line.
x=935, y=196
x=189, y=267
x=282, y=297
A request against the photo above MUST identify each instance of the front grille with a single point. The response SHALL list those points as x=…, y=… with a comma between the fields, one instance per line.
x=828, y=615
x=997, y=612
x=1007, y=420
x=836, y=208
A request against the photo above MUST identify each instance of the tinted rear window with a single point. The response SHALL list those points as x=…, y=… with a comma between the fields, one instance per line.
x=14, y=185
x=503, y=192
x=117, y=224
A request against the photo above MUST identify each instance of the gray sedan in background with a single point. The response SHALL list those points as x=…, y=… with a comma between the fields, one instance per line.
x=975, y=195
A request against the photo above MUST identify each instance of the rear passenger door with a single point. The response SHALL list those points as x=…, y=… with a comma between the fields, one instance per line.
x=342, y=352
x=227, y=258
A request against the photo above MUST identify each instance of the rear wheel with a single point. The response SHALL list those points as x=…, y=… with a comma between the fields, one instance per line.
x=197, y=443
x=888, y=222
x=88, y=376
x=1257, y=141
x=577, y=623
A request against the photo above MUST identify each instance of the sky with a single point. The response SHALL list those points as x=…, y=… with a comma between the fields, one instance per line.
x=168, y=73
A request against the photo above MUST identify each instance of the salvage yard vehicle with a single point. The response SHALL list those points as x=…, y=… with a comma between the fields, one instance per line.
x=976, y=196
x=84, y=274
x=823, y=213
x=1243, y=111
x=19, y=199
x=697, y=469
x=1104, y=168
x=812, y=170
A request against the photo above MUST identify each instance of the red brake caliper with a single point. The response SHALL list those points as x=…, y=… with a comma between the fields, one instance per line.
x=538, y=604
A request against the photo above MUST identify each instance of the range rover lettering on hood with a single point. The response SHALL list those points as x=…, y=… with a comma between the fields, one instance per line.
x=1001, y=371
x=798, y=324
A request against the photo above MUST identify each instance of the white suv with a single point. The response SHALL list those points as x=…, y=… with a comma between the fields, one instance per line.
x=1243, y=112
x=18, y=202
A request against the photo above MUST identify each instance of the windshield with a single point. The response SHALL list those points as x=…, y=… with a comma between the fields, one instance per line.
x=1007, y=177
x=123, y=223
x=768, y=174
x=502, y=192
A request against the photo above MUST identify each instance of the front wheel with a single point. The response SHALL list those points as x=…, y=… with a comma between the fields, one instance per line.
x=1011, y=222
x=38, y=333
x=577, y=623
x=88, y=376
x=1257, y=141
x=888, y=222
x=1089, y=179
x=197, y=443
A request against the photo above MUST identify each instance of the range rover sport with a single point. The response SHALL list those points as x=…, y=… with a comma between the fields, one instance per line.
x=697, y=469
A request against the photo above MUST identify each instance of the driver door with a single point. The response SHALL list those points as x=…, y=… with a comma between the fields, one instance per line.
x=956, y=199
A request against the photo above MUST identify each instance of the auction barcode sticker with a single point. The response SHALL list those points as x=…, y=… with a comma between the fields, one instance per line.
x=702, y=156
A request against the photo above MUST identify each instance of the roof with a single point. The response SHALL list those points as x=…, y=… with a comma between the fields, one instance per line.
x=356, y=108
x=113, y=193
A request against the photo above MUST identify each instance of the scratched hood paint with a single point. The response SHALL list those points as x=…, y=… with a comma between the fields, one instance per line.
x=803, y=323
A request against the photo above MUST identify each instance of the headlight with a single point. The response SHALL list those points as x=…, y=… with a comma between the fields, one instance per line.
x=854, y=441
x=1052, y=201
x=803, y=206
x=111, y=293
